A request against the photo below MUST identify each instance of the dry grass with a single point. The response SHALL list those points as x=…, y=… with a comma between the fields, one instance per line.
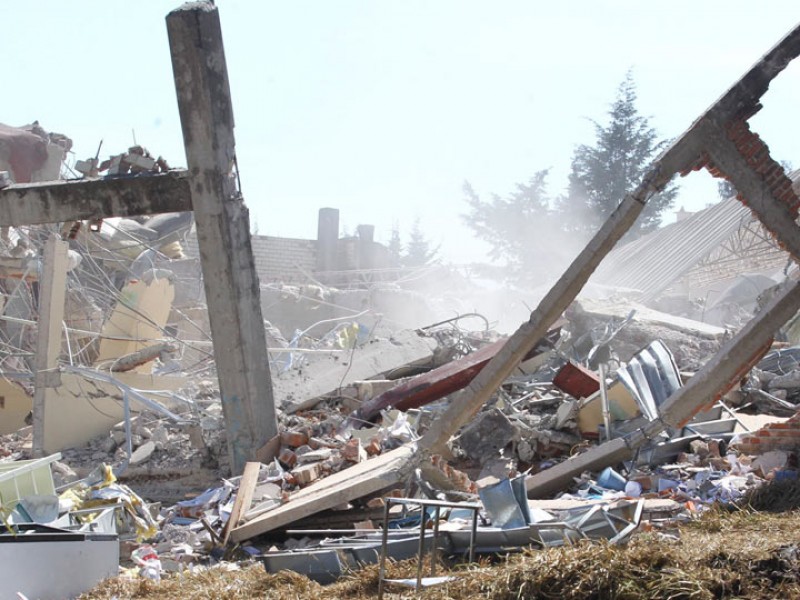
x=741, y=554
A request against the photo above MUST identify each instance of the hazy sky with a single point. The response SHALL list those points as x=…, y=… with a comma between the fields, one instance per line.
x=383, y=108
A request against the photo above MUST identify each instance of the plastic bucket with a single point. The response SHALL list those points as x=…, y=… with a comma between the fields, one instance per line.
x=611, y=480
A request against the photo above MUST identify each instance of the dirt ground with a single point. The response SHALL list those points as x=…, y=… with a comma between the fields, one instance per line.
x=739, y=554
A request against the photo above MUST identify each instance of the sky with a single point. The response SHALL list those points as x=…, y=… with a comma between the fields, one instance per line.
x=383, y=108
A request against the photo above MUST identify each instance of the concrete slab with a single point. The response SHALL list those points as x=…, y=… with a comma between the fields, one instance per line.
x=304, y=388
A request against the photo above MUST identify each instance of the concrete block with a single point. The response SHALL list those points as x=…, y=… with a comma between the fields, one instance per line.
x=567, y=411
x=314, y=456
x=487, y=435
x=142, y=453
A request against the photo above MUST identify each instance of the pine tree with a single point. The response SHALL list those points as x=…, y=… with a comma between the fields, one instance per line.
x=419, y=252
x=603, y=173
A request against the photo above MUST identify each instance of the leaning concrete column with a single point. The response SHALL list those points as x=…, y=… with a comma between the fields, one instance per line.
x=223, y=229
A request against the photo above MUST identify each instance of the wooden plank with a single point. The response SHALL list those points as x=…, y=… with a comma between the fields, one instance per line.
x=57, y=201
x=244, y=497
x=356, y=482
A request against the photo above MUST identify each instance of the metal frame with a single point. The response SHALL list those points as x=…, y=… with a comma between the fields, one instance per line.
x=424, y=504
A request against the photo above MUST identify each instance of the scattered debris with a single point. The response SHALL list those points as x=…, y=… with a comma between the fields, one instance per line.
x=391, y=440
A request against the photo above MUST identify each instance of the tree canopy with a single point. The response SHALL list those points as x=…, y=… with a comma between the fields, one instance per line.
x=516, y=226
x=603, y=173
x=535, y=234
x=419, y=251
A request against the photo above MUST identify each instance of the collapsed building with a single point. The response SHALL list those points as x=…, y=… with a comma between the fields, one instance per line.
x=129, y=383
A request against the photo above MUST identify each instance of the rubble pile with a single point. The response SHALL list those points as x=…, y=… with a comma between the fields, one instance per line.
x=543, y=415
x=596, y=420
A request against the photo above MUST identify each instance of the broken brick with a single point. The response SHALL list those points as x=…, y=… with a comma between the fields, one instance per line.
x=374, y=447
x=287, y=458
x=294, y=439
x=306, y=474
x=353, y=452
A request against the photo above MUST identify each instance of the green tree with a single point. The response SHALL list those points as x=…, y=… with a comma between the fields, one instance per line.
x=419, y=251
x=518, y=227
x=603, y=173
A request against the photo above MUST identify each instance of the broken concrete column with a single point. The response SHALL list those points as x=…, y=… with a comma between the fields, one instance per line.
x=48, y=342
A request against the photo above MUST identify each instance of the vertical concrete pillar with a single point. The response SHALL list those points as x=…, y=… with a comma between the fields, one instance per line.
x=223, y=229
x=52, y=290
x=366, y=247
x=327, y=239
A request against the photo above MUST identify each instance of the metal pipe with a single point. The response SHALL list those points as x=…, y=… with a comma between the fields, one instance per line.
x=604, y=400
x=421, y=549
x=384, y=544
x=473, y=534
x=435, y=541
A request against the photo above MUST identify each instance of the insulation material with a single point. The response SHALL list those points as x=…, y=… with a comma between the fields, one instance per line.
x=139, y=318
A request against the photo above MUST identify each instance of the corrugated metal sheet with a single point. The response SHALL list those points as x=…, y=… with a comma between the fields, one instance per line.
x=652, y=263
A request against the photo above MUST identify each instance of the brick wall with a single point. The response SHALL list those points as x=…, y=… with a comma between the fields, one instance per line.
x=752, y=148
x=276, y=259
x=773, y=436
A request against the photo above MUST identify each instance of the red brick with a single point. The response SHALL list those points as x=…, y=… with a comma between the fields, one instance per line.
x=287, y=458
x=293, y=439
x=352, y=451
x=374, y=447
